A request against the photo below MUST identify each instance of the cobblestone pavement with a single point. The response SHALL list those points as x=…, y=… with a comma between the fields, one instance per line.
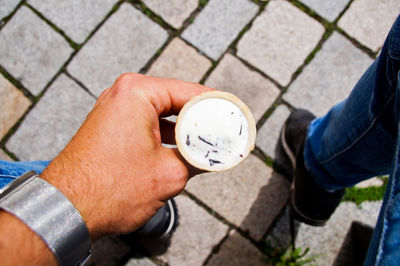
x=57, y=56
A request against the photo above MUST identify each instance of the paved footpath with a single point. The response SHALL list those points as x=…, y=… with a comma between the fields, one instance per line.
x=57, y=56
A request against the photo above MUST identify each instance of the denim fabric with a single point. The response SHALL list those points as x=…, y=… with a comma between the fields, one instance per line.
x=11, y=170
x=360, y=138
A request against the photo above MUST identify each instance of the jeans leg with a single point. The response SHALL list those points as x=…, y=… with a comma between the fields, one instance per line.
x=356, y=139
x=11, y=170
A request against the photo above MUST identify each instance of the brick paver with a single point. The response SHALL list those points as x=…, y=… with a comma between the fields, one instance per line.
x=140, y=262
x=6, y=7
x=369, y=21
x=173, y=12
x=78, y=18
x=237, y=251
x=125, y=43
x=329, y=77
x=279, y=40
x=52, y=122
x=197, y=234
x=180, y=61
x=327, y=9
x=249, y=196
x=4, y=156
x=109, y=250
x=13, y=105
x=255, y=90
x=212, y=32
x=268, y=134
x=32, y=51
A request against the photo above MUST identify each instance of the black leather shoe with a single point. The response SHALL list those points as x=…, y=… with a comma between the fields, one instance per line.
x=163, y=223
x=309, y=202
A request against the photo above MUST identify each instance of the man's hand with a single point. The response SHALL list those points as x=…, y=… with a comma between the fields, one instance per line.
x=115, y=170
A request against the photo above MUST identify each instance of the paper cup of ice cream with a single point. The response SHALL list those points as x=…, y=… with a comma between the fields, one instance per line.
x=215, y=131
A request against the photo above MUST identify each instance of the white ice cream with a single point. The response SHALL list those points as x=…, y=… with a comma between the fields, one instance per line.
x=214, y=133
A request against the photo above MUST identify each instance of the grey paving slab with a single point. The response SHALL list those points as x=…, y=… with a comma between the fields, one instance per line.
x=110, y=251
x=213, y=32
x=327, y=9
x=31, y=51
x=4, y=156
x=125, y=43
x=280, y=236
x=279, y=40
x=173, y=12
x=6, y=7
x=369, y=21
x=77, y=18
x=250, y=196
x=140, y=262
x=52, y=122
x=197, y=234
x=372, y=182
x=328, y=240
x=13, y=105
x=268, y=134
x=180, y=61
x=329, y=77
x=256, y=91
x=237, y=251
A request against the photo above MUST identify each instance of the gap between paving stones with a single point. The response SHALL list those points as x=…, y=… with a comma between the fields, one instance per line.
x=4, y=21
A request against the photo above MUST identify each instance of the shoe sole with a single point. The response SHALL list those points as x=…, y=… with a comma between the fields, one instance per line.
x=296, y=213
x=173, y=221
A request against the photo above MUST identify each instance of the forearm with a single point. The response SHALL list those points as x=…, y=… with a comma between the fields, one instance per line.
x=19, y=245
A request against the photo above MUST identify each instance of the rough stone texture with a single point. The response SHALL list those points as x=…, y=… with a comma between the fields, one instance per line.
x=140, y=262
x=373, y=182
x=330, y=76
x=212, y=32
x=268, y=134
x=125, y=43
x=369, y=21
x=173, y=12
x=327, y=9
x=180, y=61
x=78, y=18
x=52, y=122
x=32, y=51
x=197, y=234
x=4, y=156
x=233, y=76
x=6, y=7
x=327, y=241
x=279, y=40
x=249, y=196
x=13, y=105
x=109, y=251
x=237, y=251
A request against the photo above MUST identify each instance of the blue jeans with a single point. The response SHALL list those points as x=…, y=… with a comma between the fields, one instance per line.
x=360, y=138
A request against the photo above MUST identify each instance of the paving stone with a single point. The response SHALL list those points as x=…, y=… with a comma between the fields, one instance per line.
x=198, y=232
x=173, y=12
x=250, y=196
x=4, y=156
x=372, y=182
x=327, y=241
x=327, y=9
x=31, y=51
x=13, y=105
x=140, y=262
x=78, y=18
x=212, y=33
x=329, y=77
x=237, y=251
x=180, y=61
x=110, y=251
x=233, y=76
x=52, y=122
x=279, y=40
x=6, y=7
x=268, y=134
x=125, y=43
x=369, y=21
